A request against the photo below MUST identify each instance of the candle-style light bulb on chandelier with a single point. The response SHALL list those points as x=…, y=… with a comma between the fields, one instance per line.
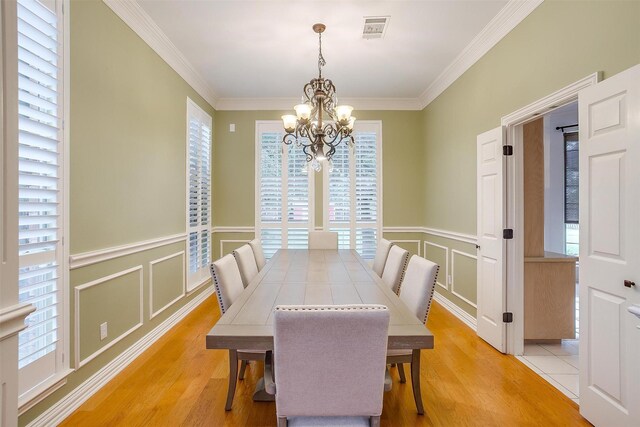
x=320, y=124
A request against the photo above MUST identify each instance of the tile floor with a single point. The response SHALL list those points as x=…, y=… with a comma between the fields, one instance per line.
x=556, y=363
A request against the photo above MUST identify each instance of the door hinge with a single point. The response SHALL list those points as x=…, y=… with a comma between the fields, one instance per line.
x=507, y=233
x=507, y=150
x=507, y=317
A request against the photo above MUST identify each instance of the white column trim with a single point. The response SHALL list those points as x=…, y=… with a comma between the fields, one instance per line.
x=12, y=319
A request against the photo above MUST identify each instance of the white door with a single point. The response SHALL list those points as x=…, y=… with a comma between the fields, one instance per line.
x=610, y=250
x=491, y=286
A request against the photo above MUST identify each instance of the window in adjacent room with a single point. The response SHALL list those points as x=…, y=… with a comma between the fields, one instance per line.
x=571, y=187
x=353, y=191
x=199, y=125
x=284, y=191
x=41, y=189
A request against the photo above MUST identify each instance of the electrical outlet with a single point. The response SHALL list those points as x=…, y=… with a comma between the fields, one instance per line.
x=232, y=127
x=449, y=280
x=103, y=331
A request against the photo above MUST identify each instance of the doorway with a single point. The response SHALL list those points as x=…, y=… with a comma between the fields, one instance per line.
x=550, y=147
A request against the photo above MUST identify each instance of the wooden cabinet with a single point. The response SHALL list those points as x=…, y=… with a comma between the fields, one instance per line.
x=550, y=297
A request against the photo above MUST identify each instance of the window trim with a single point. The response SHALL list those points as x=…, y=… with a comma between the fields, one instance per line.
x=39, y=392
x=202, y=276
x=258, y=226
x=360, y=126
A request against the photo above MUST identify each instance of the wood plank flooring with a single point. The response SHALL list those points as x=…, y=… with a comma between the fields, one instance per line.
x=465, y=382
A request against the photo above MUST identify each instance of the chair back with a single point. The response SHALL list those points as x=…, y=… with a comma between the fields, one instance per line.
x=323, y=240
x=418, y=286
x=394, y=267
x=382, y=251
x=330, y=360
x=226, y=280
x=258, y=253
x=246, y=263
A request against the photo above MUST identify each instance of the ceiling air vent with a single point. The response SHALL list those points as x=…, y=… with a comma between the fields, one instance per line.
x=375, y=27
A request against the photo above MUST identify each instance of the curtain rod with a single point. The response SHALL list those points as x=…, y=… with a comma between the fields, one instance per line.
x=562, y=128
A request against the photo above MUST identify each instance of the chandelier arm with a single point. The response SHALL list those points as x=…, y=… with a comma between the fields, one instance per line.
x=305, y=150
x=289, y=138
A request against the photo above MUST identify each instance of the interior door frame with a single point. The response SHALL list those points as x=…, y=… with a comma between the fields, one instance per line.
x=514, y=200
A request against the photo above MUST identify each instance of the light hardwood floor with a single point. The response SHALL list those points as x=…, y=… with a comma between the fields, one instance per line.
x=465, y=382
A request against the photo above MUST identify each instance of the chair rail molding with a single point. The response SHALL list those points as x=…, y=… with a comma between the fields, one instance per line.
x=233, y=229
x=514, y=12
x=144, y=26
x=453, y=235
x=12, y=319
x=93, y=257
x=60, y=410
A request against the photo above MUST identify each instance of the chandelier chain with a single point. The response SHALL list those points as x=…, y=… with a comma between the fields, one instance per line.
x=321, y=61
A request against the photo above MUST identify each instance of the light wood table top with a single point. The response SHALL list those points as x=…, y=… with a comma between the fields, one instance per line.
x=311, y=277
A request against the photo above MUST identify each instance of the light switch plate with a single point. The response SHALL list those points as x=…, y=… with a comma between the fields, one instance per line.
x=103, y=331
x=232, y=127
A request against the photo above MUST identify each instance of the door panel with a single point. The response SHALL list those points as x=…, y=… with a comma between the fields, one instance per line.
x=610, y=250
x=491, y=286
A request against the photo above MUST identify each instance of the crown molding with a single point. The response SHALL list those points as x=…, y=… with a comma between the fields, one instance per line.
x=361, y=104
x=506, y=20
x=141, y=23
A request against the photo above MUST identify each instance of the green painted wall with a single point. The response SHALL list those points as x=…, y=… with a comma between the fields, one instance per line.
x=127, y=184
x=234, y=167
x=559, y=43
x=128, y=134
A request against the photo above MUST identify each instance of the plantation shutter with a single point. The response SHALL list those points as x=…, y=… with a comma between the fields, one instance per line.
x=199, y=195
x=352, y=191
x=40, y=184
x=284, y=192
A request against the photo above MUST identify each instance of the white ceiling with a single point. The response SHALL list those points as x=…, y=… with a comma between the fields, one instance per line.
x=267, y=49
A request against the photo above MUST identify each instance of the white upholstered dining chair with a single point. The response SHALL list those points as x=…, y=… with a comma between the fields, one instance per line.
x=323, y=240
x=394, y=268
x=329, y=364
x=417, y=293
x=228, y=286
x=382, y=252
x=258, y=253
x=246, y=263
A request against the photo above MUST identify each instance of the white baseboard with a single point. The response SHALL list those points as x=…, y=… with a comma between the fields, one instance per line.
x=465, y=317
x=69, y=403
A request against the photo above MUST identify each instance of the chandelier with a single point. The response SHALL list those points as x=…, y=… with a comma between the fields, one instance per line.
x=320, y=124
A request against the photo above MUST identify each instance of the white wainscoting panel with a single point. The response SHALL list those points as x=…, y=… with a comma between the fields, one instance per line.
x=152, y=313
x=446, y=266
x=417, y=242
x=78, y=289
x=455, y=252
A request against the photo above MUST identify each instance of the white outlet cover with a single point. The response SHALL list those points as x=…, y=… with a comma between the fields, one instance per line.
x=103, y=330
x=232, y=127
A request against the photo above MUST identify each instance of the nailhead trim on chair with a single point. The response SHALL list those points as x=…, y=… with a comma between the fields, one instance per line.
x=404, y=270
x=433, y=288
x=216, y=282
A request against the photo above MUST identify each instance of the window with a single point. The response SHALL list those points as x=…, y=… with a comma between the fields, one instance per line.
x=41, y=151
x=198, y=195
x=353, y=191
x=284, y=191
x=571, y=192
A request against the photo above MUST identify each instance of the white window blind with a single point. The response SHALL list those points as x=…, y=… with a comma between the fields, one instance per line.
x=198, y=194
x=353, y=191
x=40, y=182
x=284, y=191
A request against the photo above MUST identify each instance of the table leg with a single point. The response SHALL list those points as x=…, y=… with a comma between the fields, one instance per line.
x=415, y=380
x=233, y=378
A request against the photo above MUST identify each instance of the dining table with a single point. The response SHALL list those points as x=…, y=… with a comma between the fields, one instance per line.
x=313, y=277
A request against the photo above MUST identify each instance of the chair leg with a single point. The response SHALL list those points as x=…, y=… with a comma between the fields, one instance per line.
x=233, y=374
x=243, y=367
x=403, y=378
x=282, y=421
x=374, y=421
x=415, y=380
